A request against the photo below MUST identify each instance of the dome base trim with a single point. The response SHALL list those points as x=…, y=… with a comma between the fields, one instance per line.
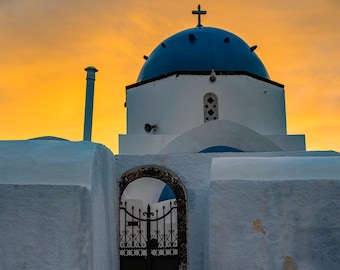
x=178, y=73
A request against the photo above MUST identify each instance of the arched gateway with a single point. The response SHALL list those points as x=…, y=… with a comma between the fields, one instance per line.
x=153, y=238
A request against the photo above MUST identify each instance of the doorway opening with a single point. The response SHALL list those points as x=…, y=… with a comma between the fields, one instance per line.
x=153, y=220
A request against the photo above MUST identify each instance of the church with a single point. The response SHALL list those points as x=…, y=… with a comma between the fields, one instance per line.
x=206, y=177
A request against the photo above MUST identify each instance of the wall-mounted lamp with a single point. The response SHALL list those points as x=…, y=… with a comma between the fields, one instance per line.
x=148, y=128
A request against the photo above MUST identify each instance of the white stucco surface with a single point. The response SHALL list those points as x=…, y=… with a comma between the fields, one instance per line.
x=217, y=133
x=141, y=144
x=175, y=103
x=289, y=143
x=276, y=168
x=56, y=205
x=275, y=213
x=269, y=210
x=46, y=162
x=194, y=172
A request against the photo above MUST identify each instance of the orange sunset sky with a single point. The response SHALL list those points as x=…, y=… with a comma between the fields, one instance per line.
x=45, y=46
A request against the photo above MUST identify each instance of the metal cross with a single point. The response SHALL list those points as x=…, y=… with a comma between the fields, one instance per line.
x=199, y=12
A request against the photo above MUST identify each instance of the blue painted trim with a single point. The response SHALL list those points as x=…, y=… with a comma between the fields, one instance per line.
x=167, y=194
x=220, y=149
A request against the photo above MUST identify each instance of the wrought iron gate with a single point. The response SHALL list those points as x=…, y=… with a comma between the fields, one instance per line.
x=148, y=240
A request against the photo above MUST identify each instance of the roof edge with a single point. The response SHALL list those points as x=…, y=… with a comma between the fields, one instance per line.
x=177, y=73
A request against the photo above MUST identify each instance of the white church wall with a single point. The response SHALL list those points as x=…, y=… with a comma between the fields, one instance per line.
x=194, y=170
x=41, y=228
x=56, y=206
x=141, y=144
x=59, y=206
x=275, y=212
x=290, y=142
x=220, y=132
x=175, y=103
x=253, y=103
x=196, y=182
x=105, y=219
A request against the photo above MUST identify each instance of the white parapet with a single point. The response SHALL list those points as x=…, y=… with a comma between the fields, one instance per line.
x=56, y=206
x=275, y=212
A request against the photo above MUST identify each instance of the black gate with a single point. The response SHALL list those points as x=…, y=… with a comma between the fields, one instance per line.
x=148, y=239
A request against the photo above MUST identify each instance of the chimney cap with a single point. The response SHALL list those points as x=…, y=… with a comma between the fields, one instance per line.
x=91, y=68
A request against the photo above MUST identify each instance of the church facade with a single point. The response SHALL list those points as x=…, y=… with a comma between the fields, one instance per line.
x=207, y=176
x=205, y=87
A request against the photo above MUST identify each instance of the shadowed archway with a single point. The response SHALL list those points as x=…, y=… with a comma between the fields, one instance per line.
x=170, y=179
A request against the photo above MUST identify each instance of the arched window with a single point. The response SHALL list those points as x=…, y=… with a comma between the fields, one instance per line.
x=210, y=106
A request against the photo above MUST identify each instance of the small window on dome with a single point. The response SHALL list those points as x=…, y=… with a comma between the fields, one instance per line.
x=210, y=107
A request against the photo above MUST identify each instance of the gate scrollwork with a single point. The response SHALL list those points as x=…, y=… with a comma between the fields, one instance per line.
x=151, y=233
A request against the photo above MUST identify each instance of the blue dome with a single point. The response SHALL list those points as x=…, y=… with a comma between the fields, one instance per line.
x=167, y=194
x=202, y=49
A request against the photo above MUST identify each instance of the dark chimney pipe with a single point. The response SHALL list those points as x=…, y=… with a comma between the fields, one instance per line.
x=90, y=78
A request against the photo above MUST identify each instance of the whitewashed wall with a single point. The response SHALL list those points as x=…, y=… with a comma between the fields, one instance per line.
x=175, y=104
x=275, y=213
x=59, y=207
x=56, y=206
x=196, y=182
x=245, y=212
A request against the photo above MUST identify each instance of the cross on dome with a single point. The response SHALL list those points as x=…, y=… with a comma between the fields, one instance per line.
x=199, y=12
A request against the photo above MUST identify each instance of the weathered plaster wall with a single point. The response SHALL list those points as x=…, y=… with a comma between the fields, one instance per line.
x=224, y=230
x=194, y=172
x=175, y=103
x=45, y=227
x=220, y=133
x=275, y=213
x=279, y=210
x=56, y=206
